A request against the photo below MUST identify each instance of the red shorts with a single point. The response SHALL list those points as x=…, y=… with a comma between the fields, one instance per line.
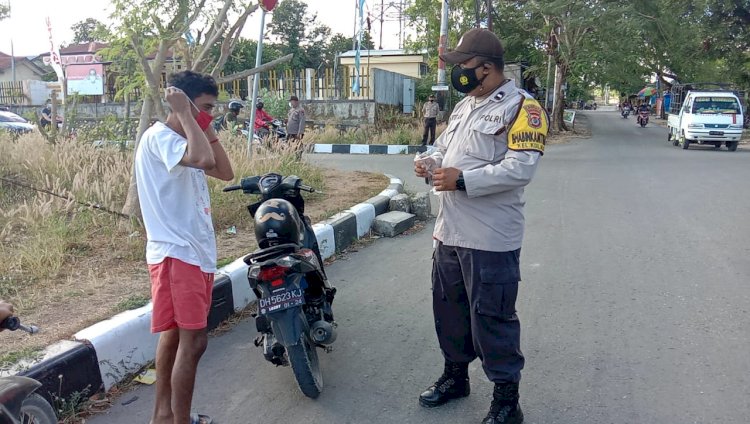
x=181, y=295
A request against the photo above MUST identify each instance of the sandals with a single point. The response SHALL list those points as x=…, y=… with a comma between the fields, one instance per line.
x=200, y=419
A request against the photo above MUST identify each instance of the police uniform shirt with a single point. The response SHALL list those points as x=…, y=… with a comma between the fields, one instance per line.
x=497, y=143
x=296, y=121
x=431, y=109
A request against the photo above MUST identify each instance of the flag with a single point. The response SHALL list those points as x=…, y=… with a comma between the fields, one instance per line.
x=357, y=54
x=54, y=54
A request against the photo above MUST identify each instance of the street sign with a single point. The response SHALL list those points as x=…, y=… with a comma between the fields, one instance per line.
x=268, y=5
x=439, y=88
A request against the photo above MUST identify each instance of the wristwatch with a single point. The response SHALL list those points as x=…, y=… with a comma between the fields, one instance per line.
x=460, y=184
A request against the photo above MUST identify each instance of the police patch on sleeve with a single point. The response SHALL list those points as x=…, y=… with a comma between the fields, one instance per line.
x=529, y=131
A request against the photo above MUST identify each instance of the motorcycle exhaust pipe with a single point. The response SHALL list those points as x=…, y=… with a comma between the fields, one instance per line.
x=323, y=333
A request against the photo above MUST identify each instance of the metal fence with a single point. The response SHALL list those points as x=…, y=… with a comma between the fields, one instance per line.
x=11, y=93
x=308, y=84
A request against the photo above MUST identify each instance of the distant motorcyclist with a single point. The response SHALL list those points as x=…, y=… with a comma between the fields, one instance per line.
x=643, y=108
x=231, y=118
x=262, y=121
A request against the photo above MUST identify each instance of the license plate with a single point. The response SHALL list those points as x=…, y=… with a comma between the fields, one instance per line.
x=716, y=132
x=281, y=299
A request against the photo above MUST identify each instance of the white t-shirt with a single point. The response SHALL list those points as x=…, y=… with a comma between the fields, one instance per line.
x=175, y=202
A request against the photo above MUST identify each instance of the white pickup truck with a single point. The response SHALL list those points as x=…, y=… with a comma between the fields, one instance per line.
x=707, y=117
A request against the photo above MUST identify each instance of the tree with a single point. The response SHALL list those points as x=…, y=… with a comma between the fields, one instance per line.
x=340, y=43
x=726, y=37
x=89, y=30
x=142, y=29
x=243, y=55
x=4, y=11
x=299, y=33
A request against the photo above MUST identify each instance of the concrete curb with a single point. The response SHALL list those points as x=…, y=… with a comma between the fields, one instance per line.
x=367, y=149
x=109, y=351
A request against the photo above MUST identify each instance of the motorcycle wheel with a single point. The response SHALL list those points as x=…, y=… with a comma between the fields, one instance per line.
x=643, y=123
x=36, y=410
x=304, y=360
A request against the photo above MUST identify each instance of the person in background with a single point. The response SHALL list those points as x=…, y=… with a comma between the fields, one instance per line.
x=295, y=127
x=430, y=111
x=262, y=120
x=231, y=118
x=46, y=118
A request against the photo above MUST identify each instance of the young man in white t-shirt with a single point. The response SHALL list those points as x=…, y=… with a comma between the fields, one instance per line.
x=171, y=164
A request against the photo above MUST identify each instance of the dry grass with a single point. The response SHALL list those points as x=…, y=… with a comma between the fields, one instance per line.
x=66, y=266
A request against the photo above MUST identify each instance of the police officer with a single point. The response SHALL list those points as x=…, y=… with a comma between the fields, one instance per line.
x=295, y=126
x=487, y=155
x=430, y=111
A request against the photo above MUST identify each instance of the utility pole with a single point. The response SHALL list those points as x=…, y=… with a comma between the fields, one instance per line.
x=382, y=10
x=443, y=43
x=12, y=50
x=400, y=24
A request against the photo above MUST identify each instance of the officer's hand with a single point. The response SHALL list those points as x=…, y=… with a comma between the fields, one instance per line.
x=420, y=170
x=444, y=179
x=6, y=310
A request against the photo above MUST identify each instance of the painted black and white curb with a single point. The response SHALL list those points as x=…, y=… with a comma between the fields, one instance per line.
x=108, y=352
x=368, y=149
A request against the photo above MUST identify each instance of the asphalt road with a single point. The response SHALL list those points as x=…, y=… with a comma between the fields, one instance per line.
x=635, y=304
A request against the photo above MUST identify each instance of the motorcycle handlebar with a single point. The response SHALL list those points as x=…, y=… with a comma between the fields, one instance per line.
x=13, y=324
x=10, y=323
x=232, y=188
x=250, y=185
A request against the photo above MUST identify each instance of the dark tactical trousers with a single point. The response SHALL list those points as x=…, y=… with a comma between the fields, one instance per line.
x=430, y=124
x=474, y=302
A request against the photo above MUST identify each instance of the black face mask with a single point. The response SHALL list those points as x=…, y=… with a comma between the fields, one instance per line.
x=465, y=80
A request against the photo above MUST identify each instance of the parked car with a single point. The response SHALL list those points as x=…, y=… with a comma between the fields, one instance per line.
x=15, y=124
x=705, y=116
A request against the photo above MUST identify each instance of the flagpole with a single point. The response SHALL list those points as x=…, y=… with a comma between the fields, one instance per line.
x=12, y=60
x=12, y=51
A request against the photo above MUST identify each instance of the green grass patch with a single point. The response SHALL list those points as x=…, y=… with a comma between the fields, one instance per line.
x=224, y=262
x=8, y=359
x=132, y=302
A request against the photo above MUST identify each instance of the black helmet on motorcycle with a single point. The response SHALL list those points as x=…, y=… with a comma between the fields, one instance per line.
x=259, y=105
x=235, y=106
x=277, y=222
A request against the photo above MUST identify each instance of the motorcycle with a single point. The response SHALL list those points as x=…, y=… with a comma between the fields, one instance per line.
x=643, y=118
x=625, y=112
x=287, y=275
x=277, y=130
x=18, y=402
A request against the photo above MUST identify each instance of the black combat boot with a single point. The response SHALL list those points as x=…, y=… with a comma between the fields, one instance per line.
x=453, y=384
x=504, y=408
